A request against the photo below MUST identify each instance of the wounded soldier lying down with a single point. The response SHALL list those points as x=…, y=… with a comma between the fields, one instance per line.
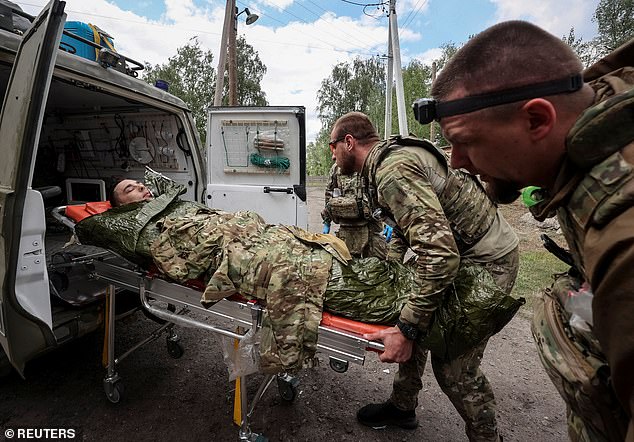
x=294, y=273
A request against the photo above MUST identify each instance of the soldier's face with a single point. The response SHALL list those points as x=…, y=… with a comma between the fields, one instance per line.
x=341, y=154
x=131, y=191
x=496, y=152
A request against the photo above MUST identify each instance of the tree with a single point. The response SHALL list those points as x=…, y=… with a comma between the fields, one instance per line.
x=615, y=22
x=191, y=77
x=318, y=156
x=356, y=86
x=351, y=87
x=251, y=70
x=586, y=51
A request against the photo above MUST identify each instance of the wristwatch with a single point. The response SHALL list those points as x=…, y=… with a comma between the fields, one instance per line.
x=411, y=332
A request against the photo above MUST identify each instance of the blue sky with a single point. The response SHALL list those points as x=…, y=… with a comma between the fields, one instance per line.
x=301, y=40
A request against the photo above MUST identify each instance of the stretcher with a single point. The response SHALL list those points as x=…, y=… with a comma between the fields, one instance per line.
x=340, y=340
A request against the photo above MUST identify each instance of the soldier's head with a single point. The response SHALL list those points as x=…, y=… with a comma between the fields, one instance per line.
x=129, y=191
x=515, y=142
x=351, y=138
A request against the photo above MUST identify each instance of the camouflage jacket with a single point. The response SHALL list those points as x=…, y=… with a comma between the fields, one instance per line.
x=439, y=212
x=593, y=198
x=286, y=268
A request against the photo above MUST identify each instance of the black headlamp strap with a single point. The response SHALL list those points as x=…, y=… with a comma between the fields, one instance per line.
x=482, y=101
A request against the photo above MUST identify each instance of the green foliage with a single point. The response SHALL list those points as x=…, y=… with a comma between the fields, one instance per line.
x=318, y=156
x=251, y=70
x=615, y=22
x=191, y=77
x=586, y=51
x=350, y=87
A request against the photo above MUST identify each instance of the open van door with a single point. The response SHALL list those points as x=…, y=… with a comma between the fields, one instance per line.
x=256, y=158
x=25, y=312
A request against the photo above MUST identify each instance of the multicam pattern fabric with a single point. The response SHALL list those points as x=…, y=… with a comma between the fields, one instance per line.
x=460, y=378
x=439, y=213
x=587, y=143
x=240, y=254
x=601, y=195
x=286, y=267
x=436, y=210
x=351, y=210
x=577, y=368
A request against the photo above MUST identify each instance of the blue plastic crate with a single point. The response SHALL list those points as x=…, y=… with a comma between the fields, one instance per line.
x=88, y=32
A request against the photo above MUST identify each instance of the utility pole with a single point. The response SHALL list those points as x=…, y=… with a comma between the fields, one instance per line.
x=233, y=63
x=397, y=70
x=389, y=72
x=222, y=56
x=432, y=125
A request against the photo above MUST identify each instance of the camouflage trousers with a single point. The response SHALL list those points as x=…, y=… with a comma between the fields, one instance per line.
x=461, y=378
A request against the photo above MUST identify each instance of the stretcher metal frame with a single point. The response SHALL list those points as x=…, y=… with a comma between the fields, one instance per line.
x=159, y=297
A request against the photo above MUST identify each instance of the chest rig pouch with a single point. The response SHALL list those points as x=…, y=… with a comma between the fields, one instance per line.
x=576, y=366
x=468, y=209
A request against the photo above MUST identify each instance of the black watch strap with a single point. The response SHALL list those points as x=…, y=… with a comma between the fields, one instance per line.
x=410, y=331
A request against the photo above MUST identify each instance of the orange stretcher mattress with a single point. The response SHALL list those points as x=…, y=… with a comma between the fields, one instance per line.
x=330, y=320
x=81, y=211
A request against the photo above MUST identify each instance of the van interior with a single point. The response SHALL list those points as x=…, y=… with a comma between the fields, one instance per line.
x=89, y=139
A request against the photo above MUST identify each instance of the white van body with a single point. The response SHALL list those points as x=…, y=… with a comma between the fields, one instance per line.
x=69, y=127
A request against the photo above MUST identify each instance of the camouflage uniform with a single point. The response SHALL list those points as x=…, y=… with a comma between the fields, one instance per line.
x=593, y=198
x=236, y=254
x=444, y=216
x=360, y=232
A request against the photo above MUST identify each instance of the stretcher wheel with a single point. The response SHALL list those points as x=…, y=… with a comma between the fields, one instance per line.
x=114, y=391
x=174, y=347
x=338, y=365
x=287, y=387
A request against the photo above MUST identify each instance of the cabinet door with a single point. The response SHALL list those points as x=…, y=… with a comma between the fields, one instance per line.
x=256, y=158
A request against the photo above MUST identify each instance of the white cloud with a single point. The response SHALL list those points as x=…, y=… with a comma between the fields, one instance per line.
x=556, y=16
x=277, y=4
x=428, y=56
x=299, y=55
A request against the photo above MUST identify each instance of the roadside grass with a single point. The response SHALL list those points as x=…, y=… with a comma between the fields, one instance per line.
x=535, y=273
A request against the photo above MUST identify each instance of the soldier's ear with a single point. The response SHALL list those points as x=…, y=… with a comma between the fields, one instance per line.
x=540, y=117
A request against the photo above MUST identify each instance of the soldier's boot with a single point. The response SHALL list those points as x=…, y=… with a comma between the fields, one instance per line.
x=379, y=416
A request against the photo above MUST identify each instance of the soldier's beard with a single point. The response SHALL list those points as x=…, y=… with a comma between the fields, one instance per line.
x=345, y=162
x=502, y=192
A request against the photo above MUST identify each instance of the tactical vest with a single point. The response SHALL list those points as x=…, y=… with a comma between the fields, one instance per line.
x=467, y=230
x=349, y=207
x=607, y=189
x=576, y=366
x=575, y=363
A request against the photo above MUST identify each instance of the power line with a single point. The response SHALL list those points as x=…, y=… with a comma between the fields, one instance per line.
x=364, y=48
x=365, y=4
x=199, y=31
x=324, y=10
x=338, y=28
x=415, y=10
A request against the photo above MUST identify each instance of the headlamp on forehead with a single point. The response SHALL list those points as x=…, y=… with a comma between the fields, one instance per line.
x=427, y=110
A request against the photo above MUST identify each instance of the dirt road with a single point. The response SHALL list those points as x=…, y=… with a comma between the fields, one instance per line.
x=190, y=398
